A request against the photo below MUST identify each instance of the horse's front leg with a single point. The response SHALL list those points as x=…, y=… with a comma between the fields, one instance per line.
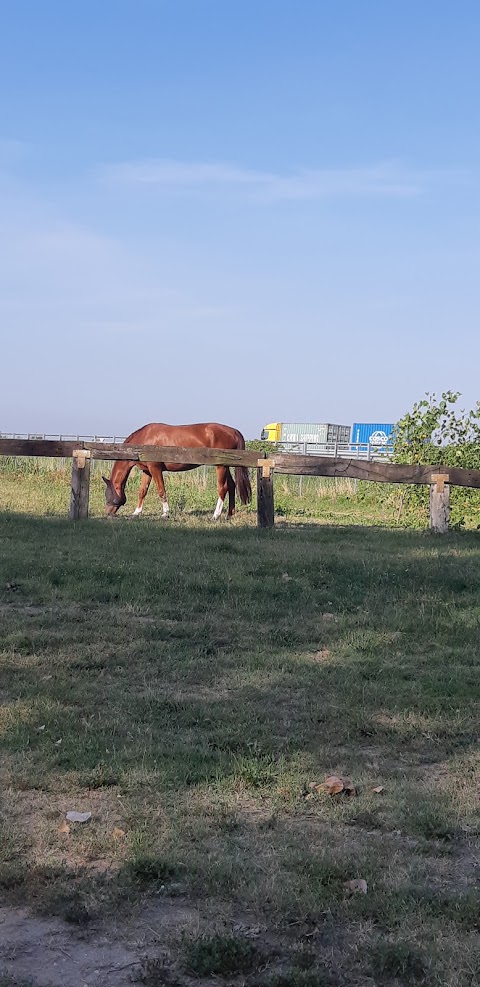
x=142, y=493
x=222, y=487
x=157, y=474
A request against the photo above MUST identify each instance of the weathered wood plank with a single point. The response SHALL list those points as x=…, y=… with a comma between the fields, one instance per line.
x=377, y=472
x=151, y=454
x=38, y=447
x=283, y=463
x=173, y=454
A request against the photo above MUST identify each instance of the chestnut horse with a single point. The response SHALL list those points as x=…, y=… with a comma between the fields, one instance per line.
x=211, y=435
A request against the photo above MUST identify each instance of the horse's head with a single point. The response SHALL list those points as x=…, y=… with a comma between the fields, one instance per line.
x=113, y=500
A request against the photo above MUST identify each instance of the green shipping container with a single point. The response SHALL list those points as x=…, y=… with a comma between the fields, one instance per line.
x=317, y=432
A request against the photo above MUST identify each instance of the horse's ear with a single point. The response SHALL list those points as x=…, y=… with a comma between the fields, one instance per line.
x=106, y=481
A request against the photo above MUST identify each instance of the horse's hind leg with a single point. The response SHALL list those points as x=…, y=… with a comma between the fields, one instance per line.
x=222, y=487
x=142, y=493
x=157, y=474
x=231, y=493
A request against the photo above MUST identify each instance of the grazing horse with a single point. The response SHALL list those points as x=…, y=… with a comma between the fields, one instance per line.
x=211, y=435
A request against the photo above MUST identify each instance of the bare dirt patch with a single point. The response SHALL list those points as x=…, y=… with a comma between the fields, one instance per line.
x=47, y=953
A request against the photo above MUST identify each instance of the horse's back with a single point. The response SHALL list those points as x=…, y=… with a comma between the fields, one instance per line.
x=210, y=434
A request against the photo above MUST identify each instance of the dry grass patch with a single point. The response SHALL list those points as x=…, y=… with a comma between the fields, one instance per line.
x=169, y=680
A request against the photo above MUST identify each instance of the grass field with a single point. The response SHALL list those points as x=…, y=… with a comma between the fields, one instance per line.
x=42, y=487
x=187, y=683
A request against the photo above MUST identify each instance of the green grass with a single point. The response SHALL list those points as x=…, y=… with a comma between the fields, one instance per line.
x=45, y=489
x=398, y=959
x=185, y=683
x=223, y=955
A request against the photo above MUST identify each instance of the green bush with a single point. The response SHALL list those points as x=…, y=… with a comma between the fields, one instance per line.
x=435, y=433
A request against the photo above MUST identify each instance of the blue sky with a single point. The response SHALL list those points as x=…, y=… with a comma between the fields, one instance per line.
x=246, y=212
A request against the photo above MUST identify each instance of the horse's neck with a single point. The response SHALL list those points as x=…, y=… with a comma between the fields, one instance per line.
x=120, y=473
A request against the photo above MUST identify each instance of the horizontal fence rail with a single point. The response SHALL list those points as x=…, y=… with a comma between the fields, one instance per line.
x=439, y=478
x=378, y=472
x=289, y=463
x=336, y=450
x=201, y=456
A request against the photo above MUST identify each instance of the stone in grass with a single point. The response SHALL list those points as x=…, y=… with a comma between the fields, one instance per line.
x=333, y=785
x=79, y=817
x=357, y=885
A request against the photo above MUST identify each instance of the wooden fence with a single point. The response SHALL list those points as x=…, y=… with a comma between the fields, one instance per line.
x=439, y=478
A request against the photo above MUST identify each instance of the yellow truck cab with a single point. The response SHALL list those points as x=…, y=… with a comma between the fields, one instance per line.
x=271, y=433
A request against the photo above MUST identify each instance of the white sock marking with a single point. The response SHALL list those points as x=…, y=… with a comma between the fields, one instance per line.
x=218, y=510
x=138, y=510
x=165, y=509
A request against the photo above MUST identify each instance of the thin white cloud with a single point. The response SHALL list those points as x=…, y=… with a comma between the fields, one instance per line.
x=66, y=280
x=168, y=172
x=384, y=179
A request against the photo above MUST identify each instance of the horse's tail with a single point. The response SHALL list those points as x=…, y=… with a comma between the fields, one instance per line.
x=244, y=486
x=242, y=476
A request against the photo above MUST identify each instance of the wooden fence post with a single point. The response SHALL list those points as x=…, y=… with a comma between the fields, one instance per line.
x=265, y=501
x=439, y=503
x=80, y=491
